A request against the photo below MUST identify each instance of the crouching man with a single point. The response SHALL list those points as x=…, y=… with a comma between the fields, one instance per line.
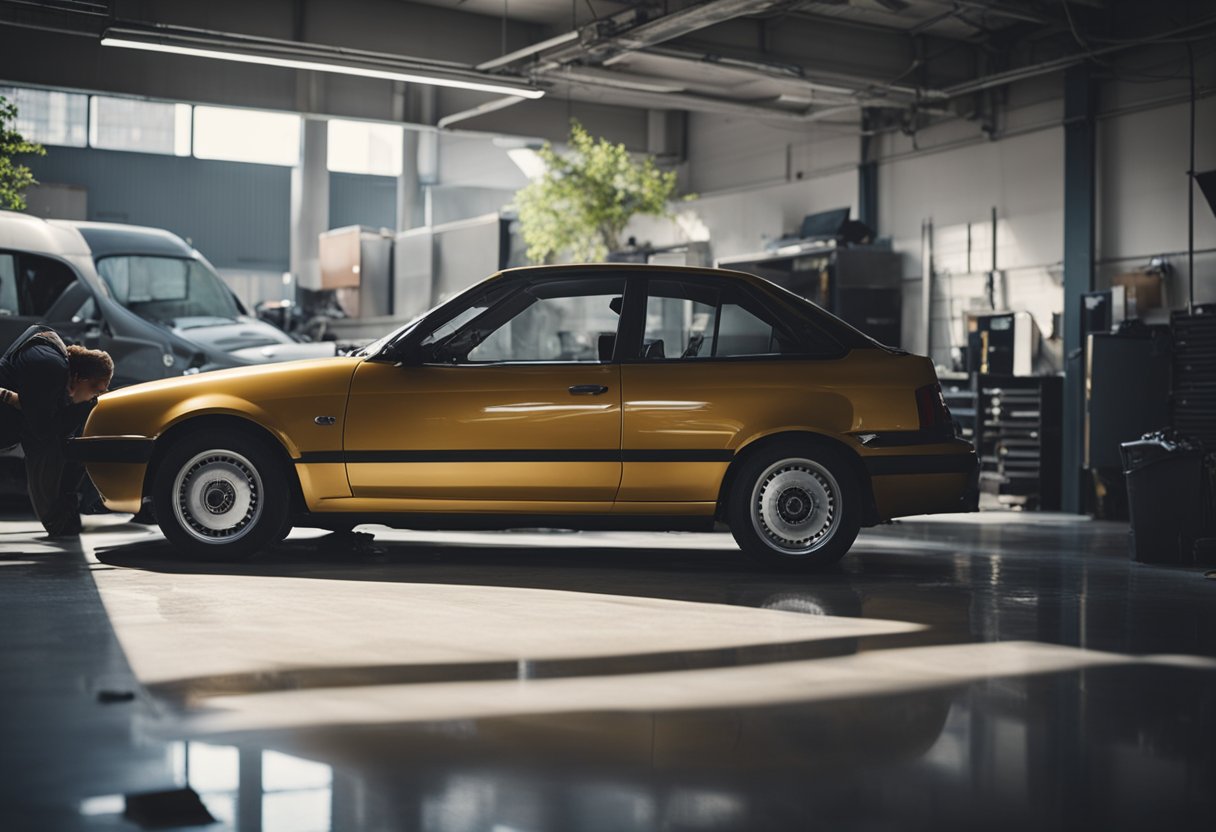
x=47, y=390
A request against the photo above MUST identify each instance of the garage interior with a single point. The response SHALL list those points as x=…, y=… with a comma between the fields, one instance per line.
x=1025, y=192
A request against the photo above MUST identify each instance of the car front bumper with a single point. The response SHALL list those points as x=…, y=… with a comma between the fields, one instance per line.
x=116, y=465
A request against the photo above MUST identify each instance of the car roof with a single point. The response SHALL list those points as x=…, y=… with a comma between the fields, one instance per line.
x=22, y=232
x=648, y=268
x=109, y=238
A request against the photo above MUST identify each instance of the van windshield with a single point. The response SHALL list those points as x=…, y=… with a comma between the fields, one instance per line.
x=171, y=290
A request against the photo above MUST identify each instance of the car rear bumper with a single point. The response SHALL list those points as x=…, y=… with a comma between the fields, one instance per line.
x=936, y=478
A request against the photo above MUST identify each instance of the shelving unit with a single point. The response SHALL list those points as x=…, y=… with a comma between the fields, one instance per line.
x=1017, y=437
x=1014, y=423
x=1193, y=403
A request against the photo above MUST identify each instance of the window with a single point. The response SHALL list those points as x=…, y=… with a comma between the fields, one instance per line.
x=696, y=319
x=168, y=289
x=8, y=285
x=50, y=117
x=362, y=147
x=30, y=285
x=558, y=320
x=246, y=136
x=143, y=126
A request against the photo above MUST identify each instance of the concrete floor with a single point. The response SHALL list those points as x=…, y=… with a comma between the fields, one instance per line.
x=988, y=671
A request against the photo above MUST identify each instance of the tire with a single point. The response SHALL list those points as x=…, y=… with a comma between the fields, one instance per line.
x=795, y=506
x=221, y=495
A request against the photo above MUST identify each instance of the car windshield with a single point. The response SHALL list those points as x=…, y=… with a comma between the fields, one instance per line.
x=171, y=290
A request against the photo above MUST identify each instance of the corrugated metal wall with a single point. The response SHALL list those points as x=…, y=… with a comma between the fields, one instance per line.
x=358, y=199
x=238, y=215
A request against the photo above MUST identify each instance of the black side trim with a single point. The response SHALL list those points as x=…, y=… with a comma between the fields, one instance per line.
x=904, y=438
x=110, y=449
x=459, y=521
x=549, y=455
x=921, y=464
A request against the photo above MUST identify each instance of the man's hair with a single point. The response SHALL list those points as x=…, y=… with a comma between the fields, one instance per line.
x=89, y=364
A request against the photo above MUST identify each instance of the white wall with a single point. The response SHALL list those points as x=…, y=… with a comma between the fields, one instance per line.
x=1143, y=157
x=1022, y=177
x=953, y=174
x=755, y=182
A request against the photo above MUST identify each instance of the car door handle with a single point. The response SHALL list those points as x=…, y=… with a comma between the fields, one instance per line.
x=588, y=389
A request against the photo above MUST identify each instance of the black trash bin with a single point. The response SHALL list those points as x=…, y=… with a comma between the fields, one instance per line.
x=1166, y=498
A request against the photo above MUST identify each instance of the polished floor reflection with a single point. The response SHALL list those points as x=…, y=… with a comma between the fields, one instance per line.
x=991, y=671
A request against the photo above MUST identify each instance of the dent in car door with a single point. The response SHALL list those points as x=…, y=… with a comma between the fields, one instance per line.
x=507, y=437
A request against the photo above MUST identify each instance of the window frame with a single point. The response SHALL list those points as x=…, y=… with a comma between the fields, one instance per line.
x=631, y=353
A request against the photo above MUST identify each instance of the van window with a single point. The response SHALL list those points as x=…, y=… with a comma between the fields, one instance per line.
x=43, y=280
x=8, y=285
x=173, y=290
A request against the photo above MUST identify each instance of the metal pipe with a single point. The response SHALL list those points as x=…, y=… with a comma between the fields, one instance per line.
x=1021, y=74
x=834, y=82
x=1190, y=198
x=479, y=110
x=706, y=104
x=527, y=51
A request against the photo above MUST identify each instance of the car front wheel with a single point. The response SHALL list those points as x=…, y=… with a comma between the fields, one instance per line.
x=795, y=507
x=220, y=495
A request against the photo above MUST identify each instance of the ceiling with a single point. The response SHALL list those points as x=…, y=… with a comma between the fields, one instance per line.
x=784, y=60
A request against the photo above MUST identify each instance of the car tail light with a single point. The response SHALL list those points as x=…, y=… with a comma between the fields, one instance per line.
x=931, y=407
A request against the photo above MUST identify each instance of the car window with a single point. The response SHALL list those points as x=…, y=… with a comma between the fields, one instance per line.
x=41, y=283
x=698, y=319
x=556, y=320
x=9, y=304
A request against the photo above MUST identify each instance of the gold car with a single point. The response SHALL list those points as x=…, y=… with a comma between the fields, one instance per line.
x=589, y=397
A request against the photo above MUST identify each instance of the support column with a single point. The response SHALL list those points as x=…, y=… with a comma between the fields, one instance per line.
x=867, y=174
x=1080, y=104
x=409, y=192
x=309, y=202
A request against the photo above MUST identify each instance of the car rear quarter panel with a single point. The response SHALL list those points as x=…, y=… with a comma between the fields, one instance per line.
x=729, y=405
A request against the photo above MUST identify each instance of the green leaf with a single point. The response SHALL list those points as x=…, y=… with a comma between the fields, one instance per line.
x=14, y=177
x=586, y=197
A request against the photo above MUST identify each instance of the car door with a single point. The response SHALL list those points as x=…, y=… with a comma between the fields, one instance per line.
x=514, y=408
x=710, y=366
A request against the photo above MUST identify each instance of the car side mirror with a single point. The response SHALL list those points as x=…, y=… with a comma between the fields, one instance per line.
x=409, y=354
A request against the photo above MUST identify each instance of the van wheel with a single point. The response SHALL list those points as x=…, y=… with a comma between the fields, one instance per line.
x=220, y=495
x=795, y=506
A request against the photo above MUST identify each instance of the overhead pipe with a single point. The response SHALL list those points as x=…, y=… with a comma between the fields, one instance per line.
x=480, y=110
x=1047, y=67
x=708, y=104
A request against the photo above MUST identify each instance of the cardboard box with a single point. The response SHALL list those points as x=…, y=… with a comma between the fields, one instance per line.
x=1143, y=291
x=341, y=261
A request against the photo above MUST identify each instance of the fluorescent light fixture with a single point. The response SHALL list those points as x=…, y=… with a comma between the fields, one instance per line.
x=157, y=43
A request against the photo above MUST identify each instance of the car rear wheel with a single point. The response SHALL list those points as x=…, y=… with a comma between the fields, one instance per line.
x=795, y=507
x=221, y=495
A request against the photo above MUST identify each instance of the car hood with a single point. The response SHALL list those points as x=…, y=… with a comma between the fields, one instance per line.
x=249, y=339
x=300, y=376
x=283, y=398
